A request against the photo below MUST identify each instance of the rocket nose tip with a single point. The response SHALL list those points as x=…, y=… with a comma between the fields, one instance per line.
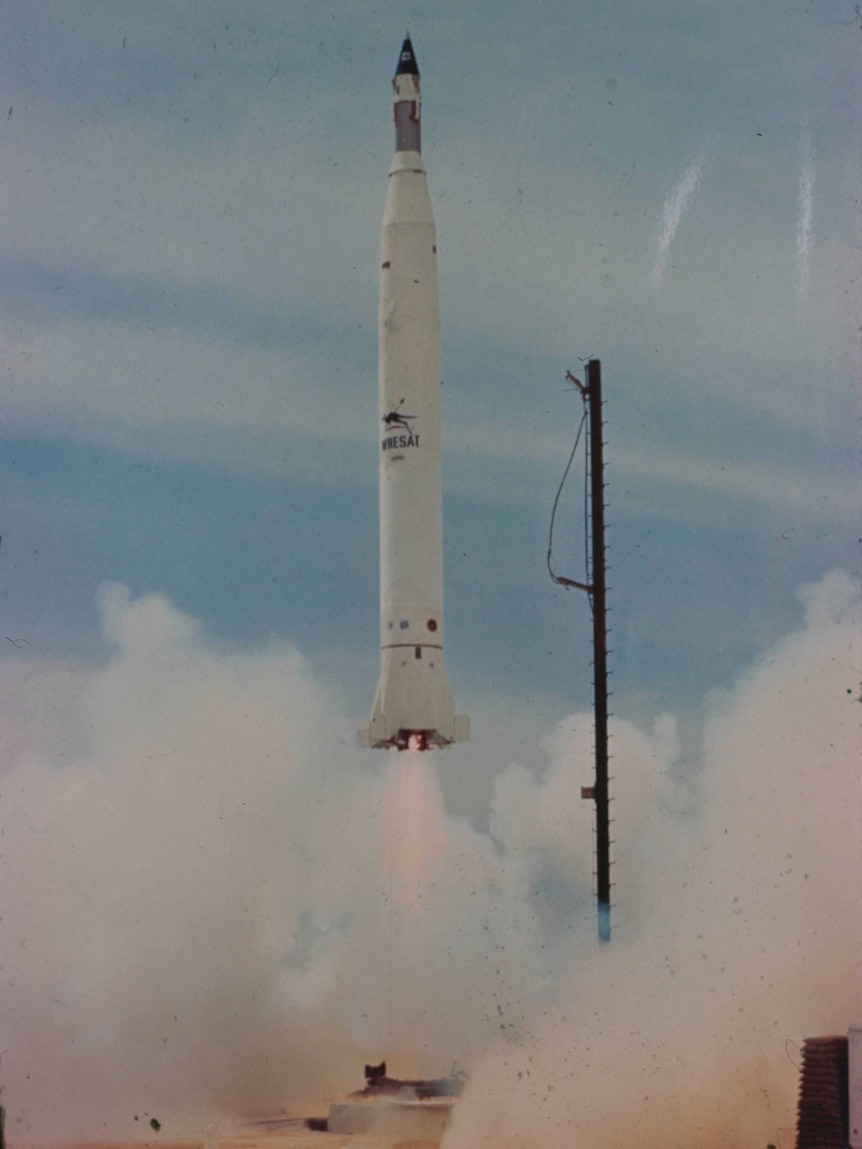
x=407, y=59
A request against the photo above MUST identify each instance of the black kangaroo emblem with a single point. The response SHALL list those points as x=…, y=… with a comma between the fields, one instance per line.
x=397, y=419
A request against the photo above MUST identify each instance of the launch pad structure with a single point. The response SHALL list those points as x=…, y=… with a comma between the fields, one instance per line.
x=389, y=1106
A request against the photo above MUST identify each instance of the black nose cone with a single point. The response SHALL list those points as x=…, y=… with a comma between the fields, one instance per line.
x=407, y=60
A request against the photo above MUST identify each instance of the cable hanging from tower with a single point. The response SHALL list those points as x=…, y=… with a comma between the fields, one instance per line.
x=561, y=580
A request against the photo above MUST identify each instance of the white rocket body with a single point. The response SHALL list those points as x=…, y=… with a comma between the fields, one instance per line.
x=413, y=706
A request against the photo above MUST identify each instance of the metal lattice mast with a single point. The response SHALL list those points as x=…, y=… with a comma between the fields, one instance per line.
x=596, y=588
x=598, y=596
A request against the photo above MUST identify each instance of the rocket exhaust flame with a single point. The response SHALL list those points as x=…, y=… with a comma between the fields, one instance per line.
x=416, y=826
x=414, y=850
x=413, y=706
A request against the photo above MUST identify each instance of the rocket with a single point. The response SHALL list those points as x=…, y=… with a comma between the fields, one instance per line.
x=413, y=706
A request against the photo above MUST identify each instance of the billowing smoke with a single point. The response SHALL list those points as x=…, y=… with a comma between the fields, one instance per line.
x=149, y=886
x=211, y=905
x=739, y=927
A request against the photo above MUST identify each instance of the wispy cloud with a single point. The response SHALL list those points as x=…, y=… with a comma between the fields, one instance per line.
x=806, y=492
x=678, y=199
x=804, y=211
x=92, y=375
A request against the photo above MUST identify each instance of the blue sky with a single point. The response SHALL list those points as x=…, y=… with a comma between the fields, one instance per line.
x=191, y=215
x=189, y=226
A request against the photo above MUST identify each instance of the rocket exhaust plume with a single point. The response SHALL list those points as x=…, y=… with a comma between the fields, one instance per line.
x=413, y=706
x=415, y=822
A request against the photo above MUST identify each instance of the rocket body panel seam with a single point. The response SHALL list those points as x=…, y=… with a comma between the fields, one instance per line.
x=410, y=646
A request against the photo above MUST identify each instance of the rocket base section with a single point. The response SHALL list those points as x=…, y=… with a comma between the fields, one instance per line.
x=413, y=707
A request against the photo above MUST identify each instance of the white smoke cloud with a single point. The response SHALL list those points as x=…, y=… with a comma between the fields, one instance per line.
x=677, y=200
x=211, y=905
x=144, y=884
x=746, y=931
